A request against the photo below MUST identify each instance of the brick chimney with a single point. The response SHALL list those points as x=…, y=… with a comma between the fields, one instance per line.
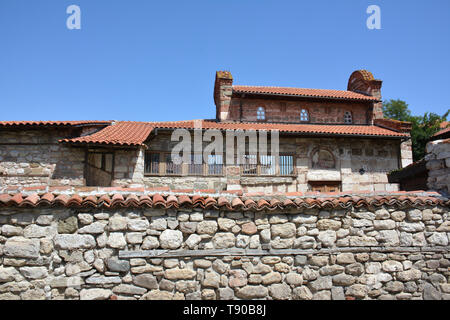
x=222, y=94
x=362, y=81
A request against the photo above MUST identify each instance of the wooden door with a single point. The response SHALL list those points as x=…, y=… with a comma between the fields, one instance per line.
x=325, y=186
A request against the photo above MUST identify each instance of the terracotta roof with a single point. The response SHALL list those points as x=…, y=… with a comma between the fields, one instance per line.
x=313, y=93
x=287, y=201
x=52, y=123
x=120, y=133
x=135, y=133
x=442, y=132
x=322, y=129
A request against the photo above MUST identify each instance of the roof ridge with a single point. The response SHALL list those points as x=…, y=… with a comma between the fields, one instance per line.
x=280, y=87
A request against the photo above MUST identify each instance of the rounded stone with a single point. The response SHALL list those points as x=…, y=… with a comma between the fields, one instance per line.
x=252, y=292
x=328, y=224
x=171, y=239
x=285, y=230
x=249, y=228
x=280, y=291
x=116, y=240
x=223, y=240
x=150, y=242
x=207, y=227
x=294, y=279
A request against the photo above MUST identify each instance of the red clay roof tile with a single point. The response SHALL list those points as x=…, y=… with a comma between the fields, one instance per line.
x=357, y=130
x=120, y=133
x=442, y=132
x=225, y=202
x=52, y=123
x=312, y=93
x=129, y=133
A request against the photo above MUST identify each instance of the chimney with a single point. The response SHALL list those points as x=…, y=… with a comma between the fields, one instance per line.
x=223, y=88
x=362, y=81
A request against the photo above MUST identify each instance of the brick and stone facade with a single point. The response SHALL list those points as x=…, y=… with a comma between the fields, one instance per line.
x=114, y=153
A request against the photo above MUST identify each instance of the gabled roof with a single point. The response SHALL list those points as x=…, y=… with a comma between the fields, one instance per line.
x=301, y=92
x=129, y=133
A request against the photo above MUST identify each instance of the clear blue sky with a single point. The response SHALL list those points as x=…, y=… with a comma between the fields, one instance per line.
x=156, y=60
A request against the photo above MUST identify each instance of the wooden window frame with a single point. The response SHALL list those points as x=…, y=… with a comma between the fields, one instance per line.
x=206, y=168
x=184, y=172
x=277, y=167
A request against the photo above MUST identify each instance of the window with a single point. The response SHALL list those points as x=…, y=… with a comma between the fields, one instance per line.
x=348, y=117
x=196, y=166
x=286, y=165
x=161, y=163
x=151, y=163
x=215, y=164
x=261, y=113
x=266, y=165
x=304, y=116
x=171, y=166
x=250, y=165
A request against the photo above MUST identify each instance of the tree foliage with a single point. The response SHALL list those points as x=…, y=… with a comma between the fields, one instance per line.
x=423, y=127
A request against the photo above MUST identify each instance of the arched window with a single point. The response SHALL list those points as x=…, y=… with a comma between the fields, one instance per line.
x=261, y=113
x=304, y=116
x=348, y=117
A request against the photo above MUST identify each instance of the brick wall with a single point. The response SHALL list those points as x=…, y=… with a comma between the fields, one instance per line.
x=284, y=111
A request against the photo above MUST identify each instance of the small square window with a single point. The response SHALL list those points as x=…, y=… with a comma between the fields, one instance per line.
x=304, y=116
x=261, y=114
x=348, y=117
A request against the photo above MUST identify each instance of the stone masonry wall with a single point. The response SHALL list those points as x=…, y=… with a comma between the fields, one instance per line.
x=131, y=253
x=438, y=164
x=35, y=158
x=375, y=156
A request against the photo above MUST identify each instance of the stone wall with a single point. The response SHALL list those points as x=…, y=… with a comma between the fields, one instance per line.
x=134, y=253
x=375, y=156
x=34, y=158
x=438, y=165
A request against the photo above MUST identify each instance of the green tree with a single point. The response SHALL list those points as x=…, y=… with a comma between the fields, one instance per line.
x=396, y=109
x=423, y=127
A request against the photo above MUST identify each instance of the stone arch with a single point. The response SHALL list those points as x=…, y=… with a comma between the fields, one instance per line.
x=322, y=158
